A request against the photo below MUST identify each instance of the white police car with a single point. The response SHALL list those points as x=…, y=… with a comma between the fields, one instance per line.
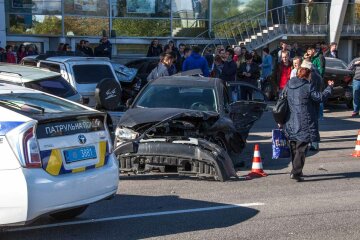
x=56, y=156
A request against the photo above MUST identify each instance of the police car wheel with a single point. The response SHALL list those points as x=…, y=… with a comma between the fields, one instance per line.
x=108, y=94
x=69, y=214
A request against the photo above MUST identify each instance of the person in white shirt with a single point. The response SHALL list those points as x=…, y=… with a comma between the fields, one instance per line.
x=296, y=65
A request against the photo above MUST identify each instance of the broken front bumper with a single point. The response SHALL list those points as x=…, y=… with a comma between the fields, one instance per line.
x=191, y=157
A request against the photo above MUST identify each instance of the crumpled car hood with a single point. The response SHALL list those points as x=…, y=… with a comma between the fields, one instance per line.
x=136, y=116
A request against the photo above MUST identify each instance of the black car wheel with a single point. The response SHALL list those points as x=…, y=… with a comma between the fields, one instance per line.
x=69, y=214
x=219, y=140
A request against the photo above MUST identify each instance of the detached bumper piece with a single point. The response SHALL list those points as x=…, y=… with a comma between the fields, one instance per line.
x=192, y=157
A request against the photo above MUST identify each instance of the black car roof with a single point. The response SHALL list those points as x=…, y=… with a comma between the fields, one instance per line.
x=187, y=81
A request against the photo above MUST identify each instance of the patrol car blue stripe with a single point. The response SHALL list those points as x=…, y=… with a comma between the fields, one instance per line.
x=5, y=127
x=45, y=156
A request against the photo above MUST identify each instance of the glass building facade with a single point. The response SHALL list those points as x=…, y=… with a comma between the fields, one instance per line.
x=131, y=24
x=122, y=20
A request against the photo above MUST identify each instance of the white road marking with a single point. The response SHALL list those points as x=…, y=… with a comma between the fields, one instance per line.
x=136, y=216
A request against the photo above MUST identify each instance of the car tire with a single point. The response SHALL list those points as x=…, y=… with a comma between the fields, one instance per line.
x=69, y=214
x=108, y=94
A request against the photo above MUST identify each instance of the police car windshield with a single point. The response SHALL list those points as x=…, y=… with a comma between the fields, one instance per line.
x=46, y=103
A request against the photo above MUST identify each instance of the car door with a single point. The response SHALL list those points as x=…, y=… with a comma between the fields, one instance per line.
x=244, y=112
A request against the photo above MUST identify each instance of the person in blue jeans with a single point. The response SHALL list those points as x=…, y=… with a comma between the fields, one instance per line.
x=355, y=66
x=356, y=96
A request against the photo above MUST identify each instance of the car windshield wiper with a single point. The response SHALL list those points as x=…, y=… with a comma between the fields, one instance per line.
x=24, y=107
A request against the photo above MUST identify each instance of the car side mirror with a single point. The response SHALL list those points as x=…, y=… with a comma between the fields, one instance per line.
x=129, y=102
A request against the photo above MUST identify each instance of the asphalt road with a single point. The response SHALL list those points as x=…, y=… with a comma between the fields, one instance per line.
x=325, y=206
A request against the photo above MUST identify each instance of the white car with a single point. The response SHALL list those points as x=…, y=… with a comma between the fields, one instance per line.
x=39, y=79
x=56, y=156
x=85, y=74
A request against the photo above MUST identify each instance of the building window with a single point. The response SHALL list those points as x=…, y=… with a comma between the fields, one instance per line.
x=141, y=27
x=34, y=24
x=87, y=7
x=33, y=6
x=86, y=26
x=141, y=8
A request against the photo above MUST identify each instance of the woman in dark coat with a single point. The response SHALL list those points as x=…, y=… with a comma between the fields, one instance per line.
x=302, y=127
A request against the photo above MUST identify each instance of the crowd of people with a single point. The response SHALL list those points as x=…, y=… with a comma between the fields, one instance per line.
x=11, y=55
x=104, y=49
x=14, y=54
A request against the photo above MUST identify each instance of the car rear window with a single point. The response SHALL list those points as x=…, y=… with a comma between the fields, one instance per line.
x=51, y=66
x=92, y=73
x=335, y=64
x=56, y=86
x=39, y=100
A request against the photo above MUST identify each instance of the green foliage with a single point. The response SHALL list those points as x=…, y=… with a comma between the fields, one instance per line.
x=142, y=27
x=86, y=26
x=51, y=25
x=222, y=9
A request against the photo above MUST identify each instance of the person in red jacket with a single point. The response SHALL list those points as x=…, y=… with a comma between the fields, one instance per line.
x=10, y=56
x=284, y=71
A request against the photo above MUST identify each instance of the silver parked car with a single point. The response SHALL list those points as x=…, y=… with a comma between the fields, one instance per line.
x=39, y=79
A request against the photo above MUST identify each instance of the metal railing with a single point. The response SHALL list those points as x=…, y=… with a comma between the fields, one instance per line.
x=294, y=19
x=260, y=29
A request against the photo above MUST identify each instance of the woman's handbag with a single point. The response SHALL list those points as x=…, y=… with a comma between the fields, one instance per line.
x=280, y=147
x=281, y=108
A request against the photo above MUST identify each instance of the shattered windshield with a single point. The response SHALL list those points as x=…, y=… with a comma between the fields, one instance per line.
x=184, y=97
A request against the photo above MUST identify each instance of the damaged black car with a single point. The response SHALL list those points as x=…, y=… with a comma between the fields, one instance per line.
x=191, y=125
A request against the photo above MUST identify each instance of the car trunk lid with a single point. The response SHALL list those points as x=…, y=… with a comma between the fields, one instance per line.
x=73, y=144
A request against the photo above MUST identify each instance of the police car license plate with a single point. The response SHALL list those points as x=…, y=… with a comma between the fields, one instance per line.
x=79, y=154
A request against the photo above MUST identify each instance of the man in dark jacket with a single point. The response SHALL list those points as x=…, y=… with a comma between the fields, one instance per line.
x=196, y=61
x=154, y=49
x=229, y=68
x=84, y=48
x=248, y=72
x=332, y=51
x=302, y=127
x=104, y=49
x=355, y=66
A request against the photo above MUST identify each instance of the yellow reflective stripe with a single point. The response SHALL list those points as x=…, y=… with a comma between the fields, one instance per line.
x=55, y=162
x=102, y=149
x=78, y=170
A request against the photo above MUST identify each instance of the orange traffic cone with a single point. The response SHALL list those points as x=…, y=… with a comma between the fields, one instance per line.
x=356, y=152
x=257, y=167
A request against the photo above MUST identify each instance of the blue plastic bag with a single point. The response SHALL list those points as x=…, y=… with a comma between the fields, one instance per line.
x=280, y=147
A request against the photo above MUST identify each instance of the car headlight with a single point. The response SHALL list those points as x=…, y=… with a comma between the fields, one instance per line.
x=125, y=134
